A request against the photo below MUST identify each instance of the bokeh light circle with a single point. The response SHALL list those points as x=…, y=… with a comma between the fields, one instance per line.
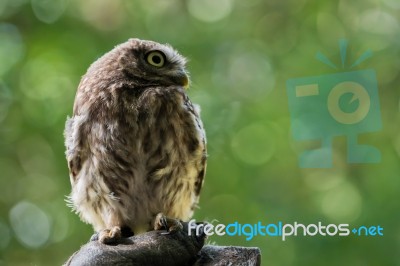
x=209, y=10
x=253, y=144
x=342, y=203
x=30, y=224
x=11, y=47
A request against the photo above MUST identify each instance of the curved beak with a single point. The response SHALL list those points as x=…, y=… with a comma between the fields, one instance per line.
x=182, y=79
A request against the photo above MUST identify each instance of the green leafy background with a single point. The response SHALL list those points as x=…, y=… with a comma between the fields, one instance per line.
x=241, y=54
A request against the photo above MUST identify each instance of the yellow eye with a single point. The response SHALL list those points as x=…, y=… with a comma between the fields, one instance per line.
x=156, y=58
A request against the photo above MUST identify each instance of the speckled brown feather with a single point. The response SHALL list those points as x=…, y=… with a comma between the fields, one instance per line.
x=135, y=143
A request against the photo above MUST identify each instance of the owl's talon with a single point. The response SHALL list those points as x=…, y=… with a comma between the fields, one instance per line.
x=161, y=222
x=94, y=237
x=164, y=223
x=110, y=236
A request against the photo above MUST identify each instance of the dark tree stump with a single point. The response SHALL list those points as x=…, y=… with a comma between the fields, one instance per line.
x=158, y=248
x=221, y=256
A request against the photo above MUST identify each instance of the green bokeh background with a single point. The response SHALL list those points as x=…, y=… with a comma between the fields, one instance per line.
x=241, y=54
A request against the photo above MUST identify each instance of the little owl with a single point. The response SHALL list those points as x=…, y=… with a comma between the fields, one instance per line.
x=135, y=144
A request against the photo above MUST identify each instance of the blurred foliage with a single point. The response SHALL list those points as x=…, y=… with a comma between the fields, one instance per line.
x=241, y=54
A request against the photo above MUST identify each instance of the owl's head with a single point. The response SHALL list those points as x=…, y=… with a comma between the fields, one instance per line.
x=148, y=63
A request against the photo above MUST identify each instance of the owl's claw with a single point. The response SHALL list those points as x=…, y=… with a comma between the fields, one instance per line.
x=109, y=236
x=94, y=237
x=164, y=223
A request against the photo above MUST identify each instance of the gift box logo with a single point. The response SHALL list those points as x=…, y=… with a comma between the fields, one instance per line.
x=341, y=104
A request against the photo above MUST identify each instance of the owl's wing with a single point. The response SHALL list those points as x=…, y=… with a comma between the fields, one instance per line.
x=195, y=109
x=74, y=143
x=200, y=177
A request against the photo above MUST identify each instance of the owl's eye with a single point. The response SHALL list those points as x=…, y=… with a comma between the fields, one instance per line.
x=156, y=58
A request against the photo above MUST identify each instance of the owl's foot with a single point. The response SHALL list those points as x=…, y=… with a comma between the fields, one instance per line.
x=125, y=233
x=162, y=222
x=109, y=236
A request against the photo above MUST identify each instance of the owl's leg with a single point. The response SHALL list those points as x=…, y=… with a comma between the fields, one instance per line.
x=161, y=222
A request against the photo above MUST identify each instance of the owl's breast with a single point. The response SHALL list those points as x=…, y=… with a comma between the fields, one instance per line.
x=172, y=141
x=169, y=126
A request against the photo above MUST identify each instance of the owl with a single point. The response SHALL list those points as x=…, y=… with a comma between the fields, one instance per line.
x=135, y=145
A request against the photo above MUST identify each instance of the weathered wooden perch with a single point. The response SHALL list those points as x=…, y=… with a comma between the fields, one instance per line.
x=158, y=248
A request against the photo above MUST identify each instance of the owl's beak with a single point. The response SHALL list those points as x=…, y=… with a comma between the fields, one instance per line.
x=185, y=82
x=182, y=79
